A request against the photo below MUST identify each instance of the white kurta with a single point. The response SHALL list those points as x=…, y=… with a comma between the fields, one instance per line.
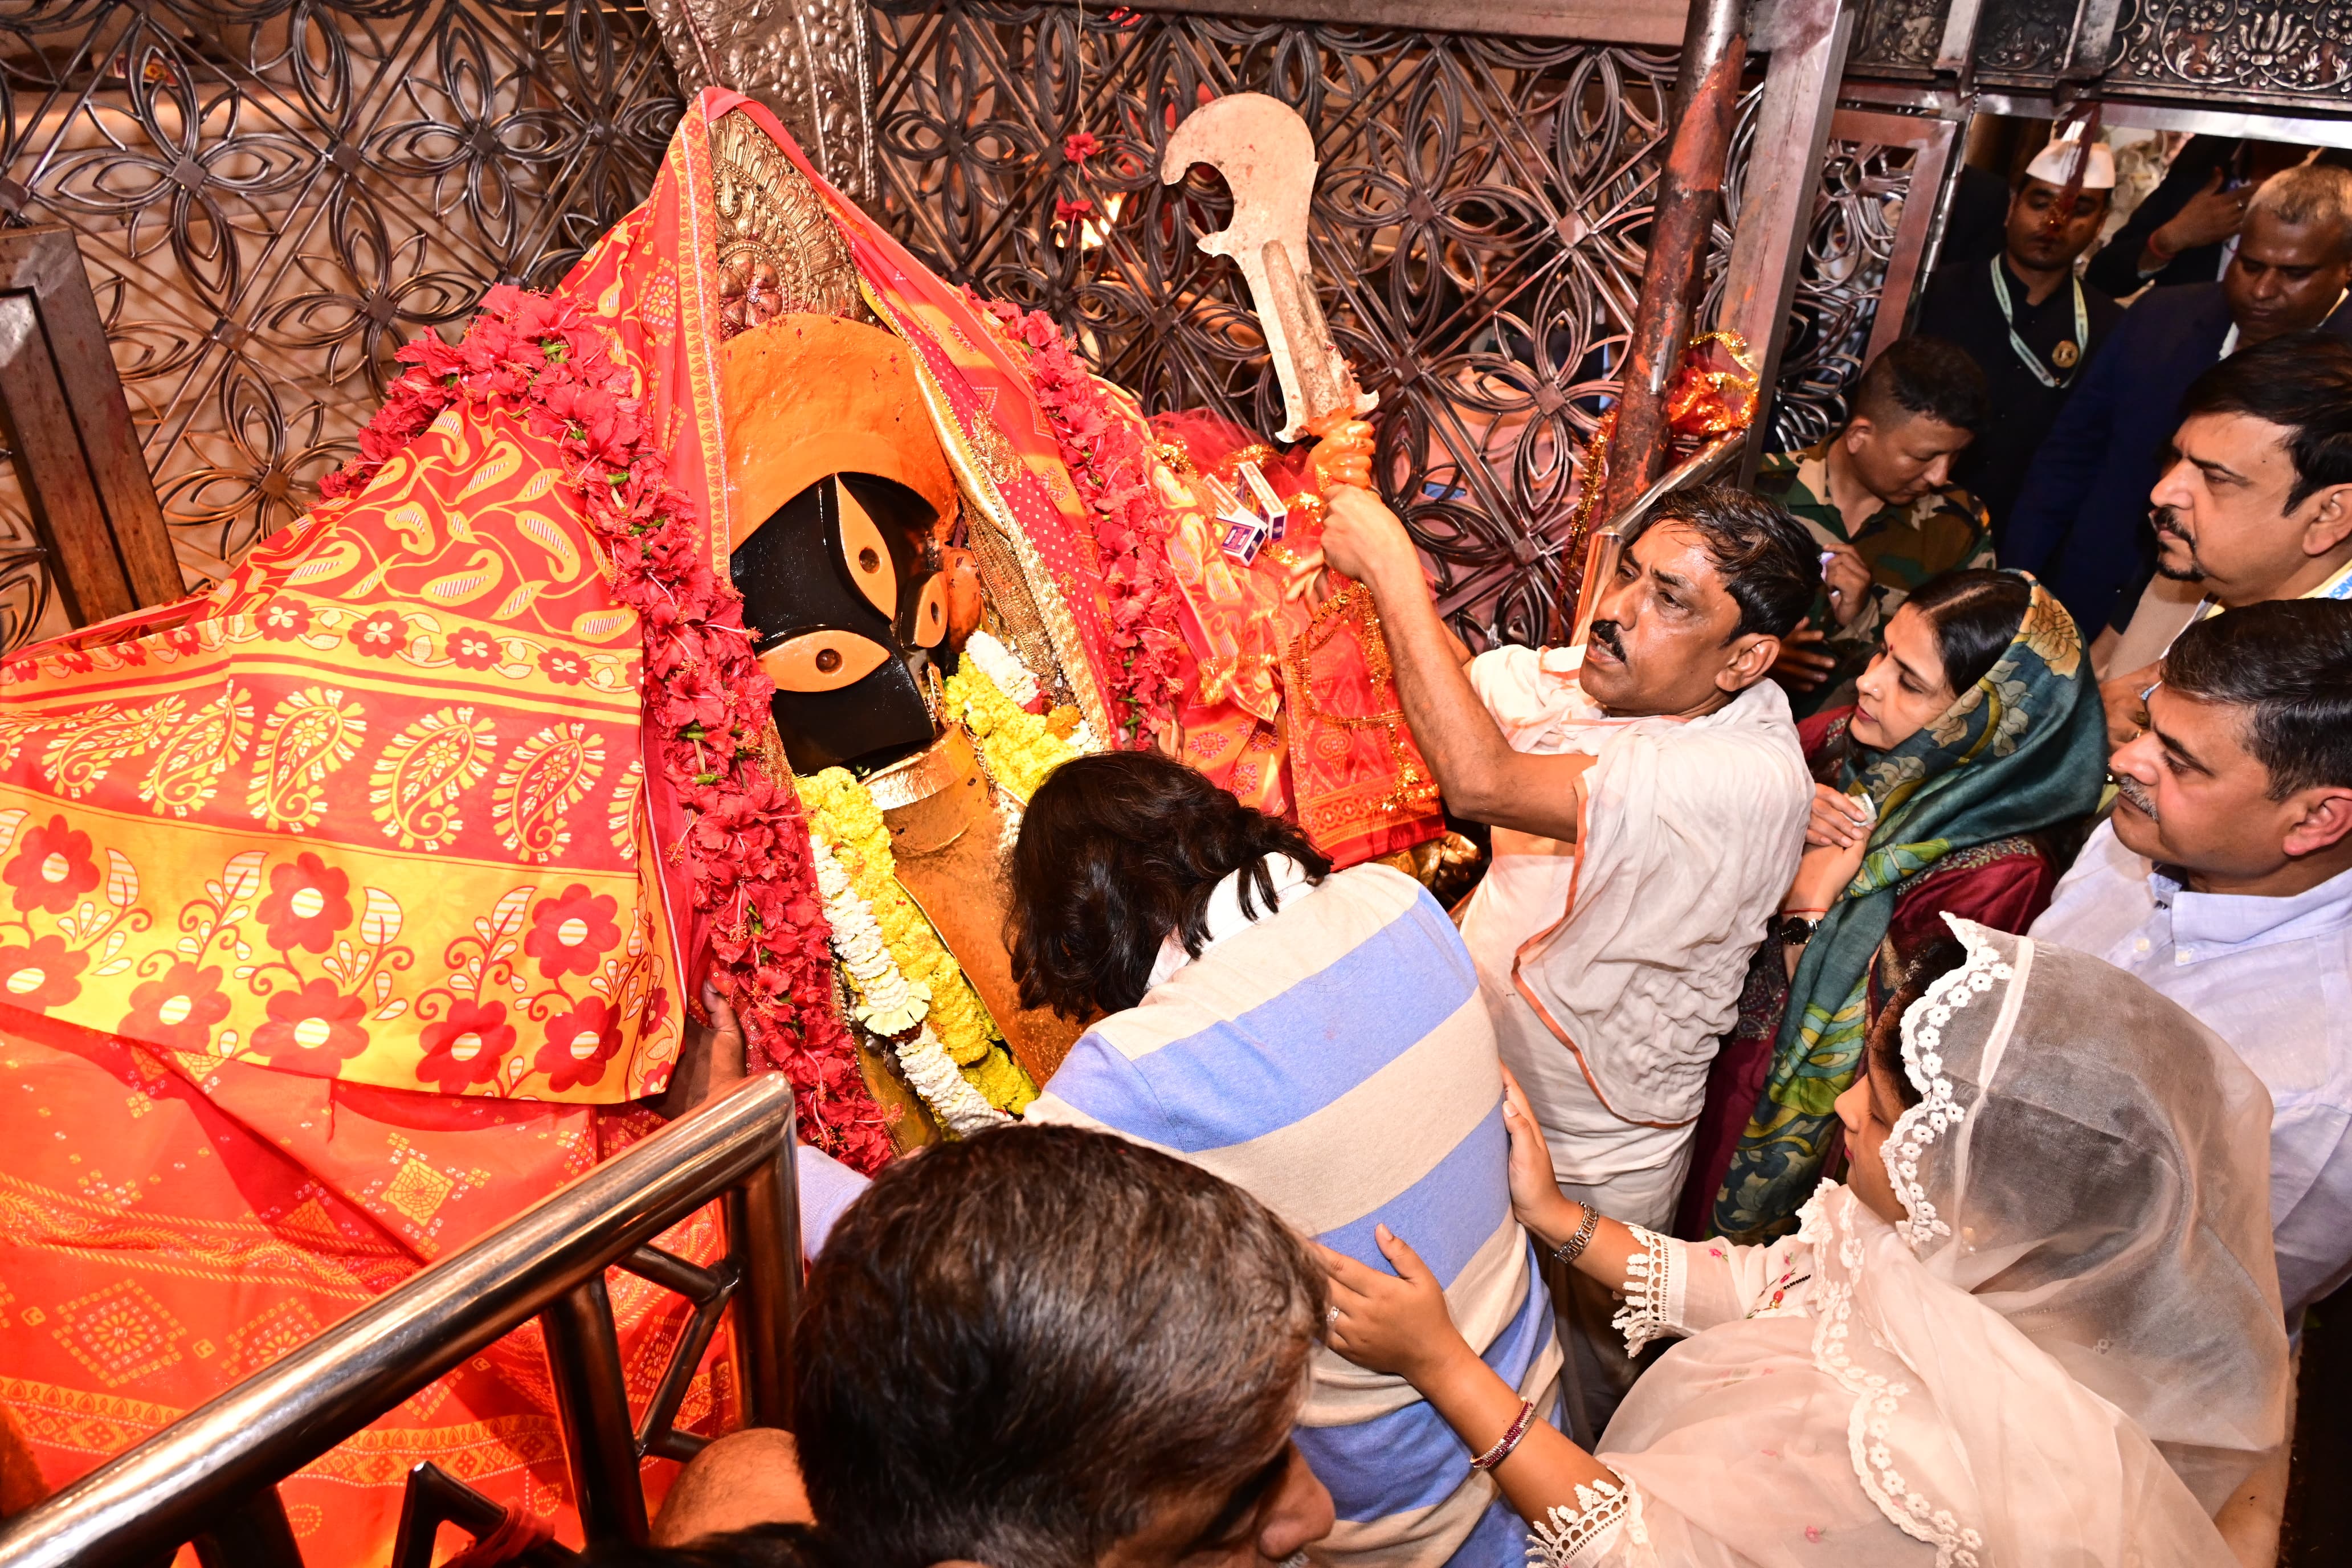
x=1787, y=1431
x=1692, y=834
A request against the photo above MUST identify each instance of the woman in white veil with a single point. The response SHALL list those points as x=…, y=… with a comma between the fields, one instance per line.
x=2039, y=1324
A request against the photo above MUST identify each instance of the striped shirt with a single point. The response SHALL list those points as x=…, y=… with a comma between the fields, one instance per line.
x=1335, y=1060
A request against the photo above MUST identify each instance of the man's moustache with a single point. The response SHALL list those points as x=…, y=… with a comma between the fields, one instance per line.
x=2132, y=790
x=2168, y=526
x=1605, y=633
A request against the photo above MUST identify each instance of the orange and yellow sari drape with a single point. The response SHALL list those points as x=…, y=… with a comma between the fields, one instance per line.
x=333, y=933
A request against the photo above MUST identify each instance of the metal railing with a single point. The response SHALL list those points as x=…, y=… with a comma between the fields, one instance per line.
x=211, y=1478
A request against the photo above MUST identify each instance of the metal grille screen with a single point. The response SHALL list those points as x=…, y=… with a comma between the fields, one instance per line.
x=1477, y=229
x=271, y=196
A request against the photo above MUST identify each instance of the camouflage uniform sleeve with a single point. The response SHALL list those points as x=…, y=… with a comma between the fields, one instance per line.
x=1982, y=556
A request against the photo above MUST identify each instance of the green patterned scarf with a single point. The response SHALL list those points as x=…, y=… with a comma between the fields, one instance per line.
x=2021, y=750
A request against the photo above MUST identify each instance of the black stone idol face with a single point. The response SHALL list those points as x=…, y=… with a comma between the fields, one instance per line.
x=842, y=588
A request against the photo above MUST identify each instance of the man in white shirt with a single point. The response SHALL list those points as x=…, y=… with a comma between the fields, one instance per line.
x=1649, y=809
x=2225, y=880
x=1648, y=812
x=2254, y=505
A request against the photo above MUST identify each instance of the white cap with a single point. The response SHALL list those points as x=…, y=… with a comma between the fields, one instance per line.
x=2055, y=162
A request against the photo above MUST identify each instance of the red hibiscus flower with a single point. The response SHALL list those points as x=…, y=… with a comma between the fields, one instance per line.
x=315, y=1029
x=53, y=870
x=468, y=1046
x=474, y=650
x=571, y=932
x=283, y=620
x=381, y=635
x=563, y=667
x=1080, y=145
x=579, y=1043
x=1064, y=209
x=41, y=977
x=309, y=902
x=539, y=359
x=177, y=1011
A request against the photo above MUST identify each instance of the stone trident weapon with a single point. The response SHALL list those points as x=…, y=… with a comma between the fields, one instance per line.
x=1267, y=156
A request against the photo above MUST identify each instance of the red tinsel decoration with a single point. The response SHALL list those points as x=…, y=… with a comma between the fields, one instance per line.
x=1106, y=456
x=746, y=846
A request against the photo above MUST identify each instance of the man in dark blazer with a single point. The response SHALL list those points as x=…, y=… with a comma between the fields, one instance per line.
x=2180, y=234
x=2081, y=522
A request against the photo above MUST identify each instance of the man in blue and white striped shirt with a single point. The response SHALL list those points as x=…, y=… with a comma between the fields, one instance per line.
x=1316, y=1038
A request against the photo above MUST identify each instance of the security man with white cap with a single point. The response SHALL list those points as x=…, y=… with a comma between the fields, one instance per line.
x=2081, y=521
x=2026, y=319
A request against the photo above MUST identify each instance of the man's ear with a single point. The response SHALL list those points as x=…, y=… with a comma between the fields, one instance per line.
x=1752, y=655
x=2324, y=817
x=1858, y=432
x=2330, y=519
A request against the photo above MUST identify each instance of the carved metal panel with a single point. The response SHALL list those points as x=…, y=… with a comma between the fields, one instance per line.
x=2289, y=53
x=806, y=60
x=1477, y=229
x=1478, y=233
x=2268, y=49
x=272, y=196
x=1902, y=34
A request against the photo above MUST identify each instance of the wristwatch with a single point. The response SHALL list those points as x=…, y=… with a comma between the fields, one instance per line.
x=1795, y=931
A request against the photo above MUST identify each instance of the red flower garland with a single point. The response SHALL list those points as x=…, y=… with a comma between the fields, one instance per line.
x=1105, y=453
x=746, y=845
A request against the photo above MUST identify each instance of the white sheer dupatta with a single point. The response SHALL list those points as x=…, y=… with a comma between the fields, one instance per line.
x=2066, y=1355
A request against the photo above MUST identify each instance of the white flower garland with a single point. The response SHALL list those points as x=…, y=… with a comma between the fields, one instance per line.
x=891, y=1005
x=1001, y=664
x=1009, y=675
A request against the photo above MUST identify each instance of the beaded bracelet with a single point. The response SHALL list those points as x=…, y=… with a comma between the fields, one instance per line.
x=1572, y=1250
x=1509, y=1440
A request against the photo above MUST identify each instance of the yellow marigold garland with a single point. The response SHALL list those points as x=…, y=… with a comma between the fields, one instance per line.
x=842, y=811
x=1020, y=748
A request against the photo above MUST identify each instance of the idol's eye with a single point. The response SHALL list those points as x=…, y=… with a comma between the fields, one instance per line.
x=865, y=555
x=824, y=660
x=932, y=612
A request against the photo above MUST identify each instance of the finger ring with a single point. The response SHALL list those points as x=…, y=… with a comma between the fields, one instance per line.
x=1332, y=1316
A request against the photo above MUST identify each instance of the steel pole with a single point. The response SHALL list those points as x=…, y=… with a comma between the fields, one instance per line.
x=1690, y=190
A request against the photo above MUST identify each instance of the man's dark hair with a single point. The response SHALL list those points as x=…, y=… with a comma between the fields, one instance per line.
x=757, y=1546
x=1771, y=565
x=2288, y=662
x=1976, y=612
x=1932, y=376
x=2299, y=380
x=1017, y=1348
x=1117, y=850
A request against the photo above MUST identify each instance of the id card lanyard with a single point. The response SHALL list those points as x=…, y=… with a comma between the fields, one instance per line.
x=2017, y=345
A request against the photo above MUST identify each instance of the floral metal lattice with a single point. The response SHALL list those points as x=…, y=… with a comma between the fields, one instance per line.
x=1477, y=234
x=1855, y=217
x=272, y=196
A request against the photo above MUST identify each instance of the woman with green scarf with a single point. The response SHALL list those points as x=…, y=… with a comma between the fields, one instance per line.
x=1976, y=730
